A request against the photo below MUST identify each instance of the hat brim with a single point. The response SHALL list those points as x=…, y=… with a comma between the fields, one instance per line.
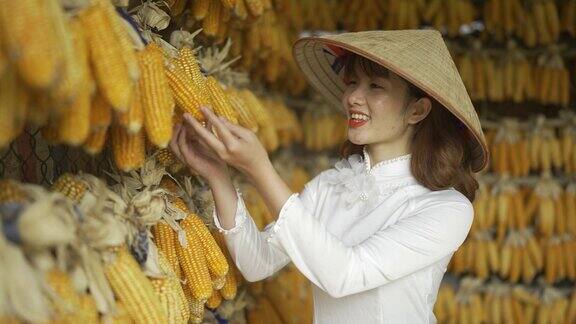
x=315, y=60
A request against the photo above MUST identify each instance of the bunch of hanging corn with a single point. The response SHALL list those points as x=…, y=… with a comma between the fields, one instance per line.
x=323, y=130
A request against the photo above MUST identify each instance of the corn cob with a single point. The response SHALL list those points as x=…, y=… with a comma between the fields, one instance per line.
x=230, y=287
x=100, y=113
x=106, y=55
x=132, y=119
x=187, y=60
x=229, y=4
x=245, y=116
x=133, y=289
x=95, y=141
x=166, y=240
x=218, y=282
x=36, y=53
x=121, y=316
x=173, y=281
x=184, y=92
x=200, y=9
x=193, y=264
x=215, y=300
x=128, y=149
x=88, y=310
x=157, y=102
x=255, y=7
x=74, y=126
x=10, y=192
x=67, y=301
x=196, y=306
x=240, y=10
x=71, y=187
x=13, y=107
x=211, y=22
x=222, y=106
x=168, y=299
x=166, y=158
x=118, y=27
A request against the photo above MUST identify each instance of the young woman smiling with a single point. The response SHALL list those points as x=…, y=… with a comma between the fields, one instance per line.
x=375, y=233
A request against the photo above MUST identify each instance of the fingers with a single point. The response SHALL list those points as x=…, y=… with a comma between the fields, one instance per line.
x=236, y=130
x=204, y=134
x=174, y=141
x=223, y=132
x=185, y=149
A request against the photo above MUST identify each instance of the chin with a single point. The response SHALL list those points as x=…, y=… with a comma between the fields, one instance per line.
x=355, y=140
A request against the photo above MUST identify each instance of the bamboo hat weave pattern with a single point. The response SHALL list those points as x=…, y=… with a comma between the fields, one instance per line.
x=419, y=56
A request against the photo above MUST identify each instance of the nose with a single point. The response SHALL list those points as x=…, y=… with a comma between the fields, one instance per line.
x=356, y=97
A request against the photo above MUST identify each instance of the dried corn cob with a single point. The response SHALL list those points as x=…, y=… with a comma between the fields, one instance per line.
x=211, y=22
x=173, y=282
x=215, y=300
x=166, y=158
x=157, y=102
x=196, y=306
x=132, y=119
x=230, y=287
x=88, y=310
x=187, y=60
x=166, y=240
x=70, y=31
x=193, y=264
x=70, y=186
x=95, y=141
x=184, y=92
x=74, y=126
x=110, y=70
x=66, y=301
x=221, y=104
x=10, y=192
x=36, y=53
x=218, y=283
x=245, y=116
x=133, y=289
x=168, y=298
x=216, y=260
x=128, y=149
x=100, y=113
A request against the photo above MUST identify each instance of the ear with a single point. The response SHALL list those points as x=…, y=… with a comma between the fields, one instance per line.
x=418, y=110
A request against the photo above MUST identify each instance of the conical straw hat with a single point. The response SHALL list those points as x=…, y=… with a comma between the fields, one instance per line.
x=419, y=56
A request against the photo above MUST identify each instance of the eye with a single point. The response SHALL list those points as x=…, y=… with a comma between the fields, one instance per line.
x=349, y=81
x=376, y=86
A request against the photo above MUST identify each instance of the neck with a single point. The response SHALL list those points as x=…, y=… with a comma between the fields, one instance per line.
x=384, y=151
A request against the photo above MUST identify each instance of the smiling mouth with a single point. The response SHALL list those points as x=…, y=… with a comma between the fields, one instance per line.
x=356, y=120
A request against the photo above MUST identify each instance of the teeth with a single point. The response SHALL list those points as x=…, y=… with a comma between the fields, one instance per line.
x=359, y=116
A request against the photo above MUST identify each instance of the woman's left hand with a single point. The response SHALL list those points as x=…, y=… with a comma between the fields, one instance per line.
x=236, y=145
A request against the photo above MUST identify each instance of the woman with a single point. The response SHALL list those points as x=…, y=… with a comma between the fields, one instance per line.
x=375, y=233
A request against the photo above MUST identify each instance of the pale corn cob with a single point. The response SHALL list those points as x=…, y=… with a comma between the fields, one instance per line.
x=110, y=70
x=100, y=113
x=174, y=284
x=193, y=264
x=221, y=104
x=184, y=92
x=11, y=192
x=74, y=126
x=200, y=9
x=95, y=141
x=218, y=283
x=168, y=299
x=70, y=186
x=66, y=300
x=157, y=101
x=166, y=240
x=132, y=119
x=245, y=116
x=128, y=149
x=13, y=107
x=215, y=300
x=118, y=27
x=196, y=306
x=35, y=52
x=70, y=31
x=211, y=22
x=133, y=289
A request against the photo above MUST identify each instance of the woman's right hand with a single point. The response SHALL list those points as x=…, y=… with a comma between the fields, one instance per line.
x=196, y=155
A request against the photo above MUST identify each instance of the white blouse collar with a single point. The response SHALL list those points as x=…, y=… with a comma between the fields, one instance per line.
x=397, y=166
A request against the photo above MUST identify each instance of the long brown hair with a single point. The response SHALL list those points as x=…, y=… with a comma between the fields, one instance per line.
x=441, y=153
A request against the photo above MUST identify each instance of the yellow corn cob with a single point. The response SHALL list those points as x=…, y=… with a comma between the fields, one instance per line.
x=230, y=287
x=95, y=141
x=184, y=92
x=157, y=102
x=218, y=283
x=168, y=298
x=118, y=27
x=128, y=149
x=132, y=119
x=67, y=301
x=88, y=310
x=187, y=60
x=36, y=52
x=245, y=116
x=100, y=113
x=10, y=192
x=71, y=187
x=121, y=316
x=133, y=289
x=13, y=107
x=211, y=22
x=174, y=285
x=166, y=158
x=255, y=7
x=200, y=9
x=221, y=104
x=215, y=300
x=106, y=55
x=166, y=240
x=193, y=264
x=74, y=125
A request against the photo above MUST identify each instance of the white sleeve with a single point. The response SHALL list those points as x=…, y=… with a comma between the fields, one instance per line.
x=253, y=256
x=416, y=241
